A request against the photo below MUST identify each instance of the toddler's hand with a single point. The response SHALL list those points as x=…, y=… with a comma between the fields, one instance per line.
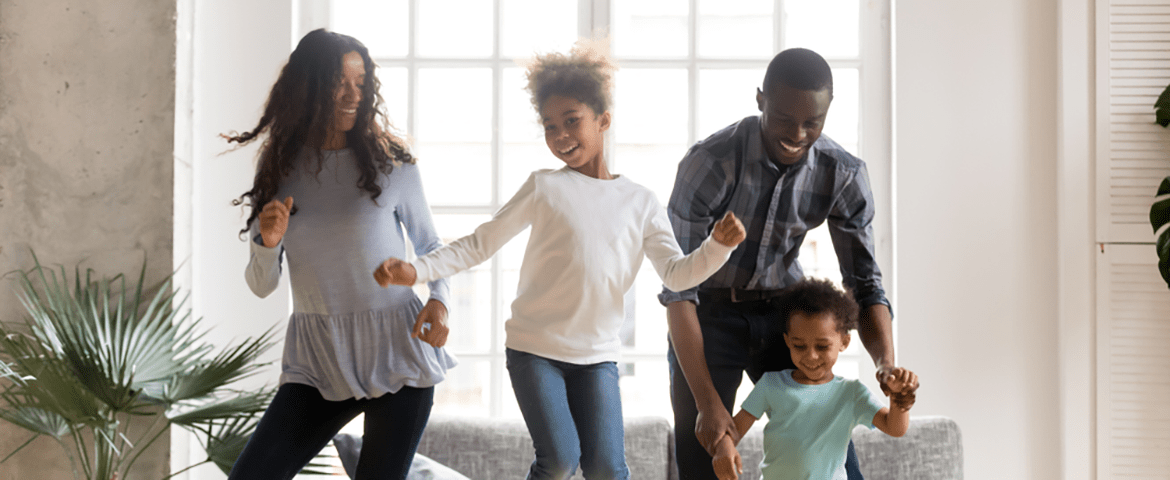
x=901, y=385
x=729, y=230
x=274, y=221
x=394, y=271
x=727, y=462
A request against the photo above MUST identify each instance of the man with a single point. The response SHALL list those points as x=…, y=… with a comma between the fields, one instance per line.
x=781, y=178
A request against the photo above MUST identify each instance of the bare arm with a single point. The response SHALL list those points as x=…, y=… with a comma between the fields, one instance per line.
x=895, y=419
x=743, y=423
x=875, y=327
x=893, y=422
x=714, y=420
x=726, y=462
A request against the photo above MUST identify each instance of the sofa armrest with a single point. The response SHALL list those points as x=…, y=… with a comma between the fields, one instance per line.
x=931, y=449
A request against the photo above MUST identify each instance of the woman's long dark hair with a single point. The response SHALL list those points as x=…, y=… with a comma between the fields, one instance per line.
x=299, y=109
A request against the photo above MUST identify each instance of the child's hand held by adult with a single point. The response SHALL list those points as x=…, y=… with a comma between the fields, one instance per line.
x=729, y=230
x=394, y=271
x=274, y=221
x=431, y=324
x=726, y=462
x=902, y=386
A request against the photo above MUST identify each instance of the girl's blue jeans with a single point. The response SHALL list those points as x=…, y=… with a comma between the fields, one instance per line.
x=574, y=415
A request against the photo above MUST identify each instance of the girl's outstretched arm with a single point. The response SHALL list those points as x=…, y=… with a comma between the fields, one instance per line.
x=473, y=249
x=678, y=271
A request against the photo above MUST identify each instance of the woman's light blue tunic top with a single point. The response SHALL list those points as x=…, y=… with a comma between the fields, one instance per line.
x=347, y=336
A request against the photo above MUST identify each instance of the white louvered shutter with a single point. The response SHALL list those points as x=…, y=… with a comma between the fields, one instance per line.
x=1133, y=303
x=1133, y=365
x=1133, y=53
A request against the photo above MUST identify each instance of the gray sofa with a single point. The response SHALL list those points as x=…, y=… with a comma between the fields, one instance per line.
x=489, y=449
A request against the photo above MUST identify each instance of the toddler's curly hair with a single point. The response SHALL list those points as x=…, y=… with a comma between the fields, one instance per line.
x=813, y=296
x=585, y=74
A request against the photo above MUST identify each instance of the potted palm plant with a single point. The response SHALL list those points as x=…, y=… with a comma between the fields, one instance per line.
x=96, y=356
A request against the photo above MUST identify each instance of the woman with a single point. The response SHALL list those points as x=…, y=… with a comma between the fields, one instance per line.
x=332, y=193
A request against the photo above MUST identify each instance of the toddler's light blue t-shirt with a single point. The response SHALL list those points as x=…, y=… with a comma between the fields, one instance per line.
x=809, y=426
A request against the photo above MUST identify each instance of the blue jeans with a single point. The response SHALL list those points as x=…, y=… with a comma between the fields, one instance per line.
x=574, y=414
x=737, y=338
x=299, y=423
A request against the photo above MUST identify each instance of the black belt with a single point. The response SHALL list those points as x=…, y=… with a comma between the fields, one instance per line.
x=736, y=295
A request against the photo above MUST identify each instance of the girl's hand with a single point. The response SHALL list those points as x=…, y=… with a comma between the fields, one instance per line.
x=729, y=230
x=394, y=271
x=274, y=221
x=434, y=313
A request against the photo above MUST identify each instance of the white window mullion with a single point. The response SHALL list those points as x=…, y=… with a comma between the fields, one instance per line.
x=779, y=20
x=693, y=74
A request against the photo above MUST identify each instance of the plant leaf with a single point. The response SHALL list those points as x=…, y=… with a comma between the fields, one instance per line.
x=37, y=420
x=1160, y=216
x=1162, y=107
x=240, y=404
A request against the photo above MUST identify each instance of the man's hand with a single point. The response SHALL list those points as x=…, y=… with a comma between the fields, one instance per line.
x=394, y=271
x=895, y=379
x=434, y=314
x=712, y=426
x=729, y=230
x=727, y=463
x=274, y=221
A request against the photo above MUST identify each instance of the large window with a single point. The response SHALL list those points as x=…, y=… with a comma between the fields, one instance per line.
x=452, y=77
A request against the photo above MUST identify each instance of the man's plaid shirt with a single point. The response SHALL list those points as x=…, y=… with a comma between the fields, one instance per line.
x=730, y=170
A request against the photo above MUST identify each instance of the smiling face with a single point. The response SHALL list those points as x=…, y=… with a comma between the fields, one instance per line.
x=815, y=343
x=791, y=120
x=347, y=97
x=573, y=132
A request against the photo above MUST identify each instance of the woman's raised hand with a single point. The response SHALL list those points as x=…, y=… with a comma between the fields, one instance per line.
x=729, y=230
x=394, y=271
x=274, y=221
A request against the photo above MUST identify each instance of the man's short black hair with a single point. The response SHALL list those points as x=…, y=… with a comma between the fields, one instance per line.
x=813, y=296
x=799, y=68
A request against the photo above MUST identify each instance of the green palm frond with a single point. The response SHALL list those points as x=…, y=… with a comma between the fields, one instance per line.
x=242, y=402
x=225, y=440
x=234, y=363
x=47, y=382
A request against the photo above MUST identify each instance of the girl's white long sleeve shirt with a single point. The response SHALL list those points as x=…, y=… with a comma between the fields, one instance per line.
x=588, y=239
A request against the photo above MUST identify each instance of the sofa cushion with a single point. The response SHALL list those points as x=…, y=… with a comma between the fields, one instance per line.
x=483, y=448
x=349, y=448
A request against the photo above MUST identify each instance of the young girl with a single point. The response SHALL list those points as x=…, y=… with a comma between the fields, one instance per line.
x=590, y=230
x=332, y=191
x=811, y=412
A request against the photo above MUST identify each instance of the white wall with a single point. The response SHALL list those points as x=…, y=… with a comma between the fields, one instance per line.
x=233, y=54
x=976, y=220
